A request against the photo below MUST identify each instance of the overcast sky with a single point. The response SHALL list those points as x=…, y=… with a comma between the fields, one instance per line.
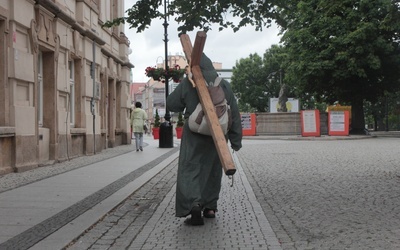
x=225, y=47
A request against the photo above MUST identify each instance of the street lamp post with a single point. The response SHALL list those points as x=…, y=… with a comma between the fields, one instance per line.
x=166, y=135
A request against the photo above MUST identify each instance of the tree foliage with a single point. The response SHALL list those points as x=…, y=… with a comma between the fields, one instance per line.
x=344, y=50
x=256, y=79
x=200, y=14
x=249, y=82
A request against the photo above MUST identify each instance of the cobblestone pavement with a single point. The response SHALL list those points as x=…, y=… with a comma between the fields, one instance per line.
x=146, y=220
x=311, y=194
x=328, y=194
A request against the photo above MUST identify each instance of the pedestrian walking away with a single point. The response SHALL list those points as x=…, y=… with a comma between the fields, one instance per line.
x=199, y=168
x=138, y=119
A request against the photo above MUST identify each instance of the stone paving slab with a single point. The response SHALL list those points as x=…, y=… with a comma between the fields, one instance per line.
x=64, y=235
x=240, y=222
x=328, y=194
x=37, y=208
x=311, y=194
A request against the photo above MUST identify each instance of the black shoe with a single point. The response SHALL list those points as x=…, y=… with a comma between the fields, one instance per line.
x=141, y=149
x=195, y=219
x=137, y=150
x=209, y=213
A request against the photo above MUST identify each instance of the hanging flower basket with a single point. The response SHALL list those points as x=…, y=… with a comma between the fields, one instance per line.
x=155, y=73
x=176, y=73
x=159, y=74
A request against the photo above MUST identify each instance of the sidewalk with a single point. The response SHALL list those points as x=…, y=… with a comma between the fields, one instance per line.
x=146, y=220
x=239, y=224
x=50, y=213
x=55, y=210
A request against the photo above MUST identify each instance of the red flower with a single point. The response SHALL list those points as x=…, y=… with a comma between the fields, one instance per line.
x=176, y=73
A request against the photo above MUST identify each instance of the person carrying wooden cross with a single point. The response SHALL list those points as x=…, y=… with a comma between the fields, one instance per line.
x=199, y=168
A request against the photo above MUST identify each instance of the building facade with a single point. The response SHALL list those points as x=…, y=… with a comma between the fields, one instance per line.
x=64, y=81
x=152, y=96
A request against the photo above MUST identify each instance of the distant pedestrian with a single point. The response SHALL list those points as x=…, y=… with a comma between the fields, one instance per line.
x=138, y=119
x=200, y=169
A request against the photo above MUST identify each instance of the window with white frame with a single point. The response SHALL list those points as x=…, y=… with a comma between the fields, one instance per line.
x=71, y=69
x=40, y=89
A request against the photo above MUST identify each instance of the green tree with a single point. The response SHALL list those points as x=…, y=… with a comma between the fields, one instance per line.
x=157, y=122
x=384, y=113
x=201, y=14
x=346, y=51
x=256, y=79
x=180, y=121
x=249, y=83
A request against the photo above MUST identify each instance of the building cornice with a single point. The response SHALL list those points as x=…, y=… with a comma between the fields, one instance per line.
x=59, y=13
x=92, y=5
x=91, y=34
x=118, y=60
x=4, y=15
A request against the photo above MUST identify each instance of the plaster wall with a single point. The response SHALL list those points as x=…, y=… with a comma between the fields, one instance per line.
x=61, y=31
x=22, y=11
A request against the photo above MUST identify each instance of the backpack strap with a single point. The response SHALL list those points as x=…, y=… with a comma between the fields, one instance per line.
x=216, y=82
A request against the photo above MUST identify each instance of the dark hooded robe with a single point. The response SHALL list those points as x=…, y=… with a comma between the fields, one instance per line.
x=199, y=169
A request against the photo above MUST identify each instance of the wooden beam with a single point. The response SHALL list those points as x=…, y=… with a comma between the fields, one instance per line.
x=205, y=100
x=198, y=48
x=186, y=43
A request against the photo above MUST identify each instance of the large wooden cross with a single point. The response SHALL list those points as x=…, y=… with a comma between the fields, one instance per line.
x=193, y=55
